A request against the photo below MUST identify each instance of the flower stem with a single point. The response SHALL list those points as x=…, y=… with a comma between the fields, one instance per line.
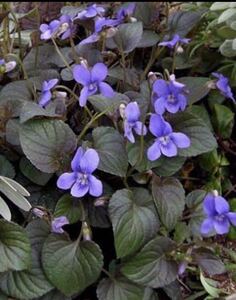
x=60, y=54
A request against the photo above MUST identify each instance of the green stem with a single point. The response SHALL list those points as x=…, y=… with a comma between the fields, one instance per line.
x=108, y=274
x=60, y=54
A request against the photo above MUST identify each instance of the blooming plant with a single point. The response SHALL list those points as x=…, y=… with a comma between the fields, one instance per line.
x=117, y=154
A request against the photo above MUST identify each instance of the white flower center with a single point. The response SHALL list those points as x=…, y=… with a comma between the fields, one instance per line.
x=171, y=98
x=82, y=178
x=164, y=140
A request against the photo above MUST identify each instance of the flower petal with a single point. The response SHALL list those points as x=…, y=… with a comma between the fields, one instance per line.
x=99, y=72
x=51, y=83
x=180, y=139
x=172, y=107
x=160, y=105
x=81, y=75
x=45, y=98
x=66, y=180
x=83, y=96
x=207, y=226
x=140, y=128
x=169, y=150
x=232, y=217
x=75, y=163
x=221, y=205
x=89, y=161
x=79, y=190
x=160, y=87
x=90, y=39
x=157, y=125
x=106, y=90
x=132, y=112
x=221, y=226
x=58, y=223
x=154, y=152
x=95, y=186
x=128, y=132
x=209, y=205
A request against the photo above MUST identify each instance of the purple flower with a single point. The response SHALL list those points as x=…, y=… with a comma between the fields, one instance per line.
x=168, y=96
x=81, y=179
x=46, y=94
x=166, y=141
x=176, y=39
x=66, y=27
x=7, y=66
x=125, y=12
x=90, y=12
x=92, y=80
x=58, y=223
x=218, y=216
x=100, y=25
x=131, y=116
x=223, y=85
x=49, y=30
x=182, y=267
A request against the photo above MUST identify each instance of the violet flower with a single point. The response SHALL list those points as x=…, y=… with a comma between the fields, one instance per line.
x=223, y=85
x=124, y=12
x=131, y=116
x=49, y=30
x=66, y=28
x=58, y=223
x=80, y=180
x=167, y=142
x=6, y=67
x=92, y=80
x=90, y=12
x=218, y=216
x=175, y=40
x=100, y=25
x=168, y=96
x=46, y=94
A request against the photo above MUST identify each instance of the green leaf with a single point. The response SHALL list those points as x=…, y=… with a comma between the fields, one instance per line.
x=70, y=207
x=128, y=36
x=47, y=58
x=194, y=203
x=14, y=95
x=15, y=192
x=14, y=247
x=111, y=149
x=182, y=232
x=54, y=295
x=201, y=112
x=208, y=262
x=6, y=168
x=202, y=140
x=182, y=22
x=4, y=210
x=227, y=48
x=210, y=286
x=197, y=87
x=169, y=197
x=119, y=289
x=3, y=296
x=169, y=165
x=223, y=120
x=101, y=103
x=30, y=283
x=47, y=143
x=32, y=173
x=220, y=5
x=148, y=39
x=71, y=266
x=173, y=290
x=32, y=110
x=97, y=215
x=150, y=294
x=150, y=267
x=227, y=14
x=133, y=218
x=145, y=12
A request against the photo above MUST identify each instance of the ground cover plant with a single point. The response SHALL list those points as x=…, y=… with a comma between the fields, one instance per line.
x=117, y=151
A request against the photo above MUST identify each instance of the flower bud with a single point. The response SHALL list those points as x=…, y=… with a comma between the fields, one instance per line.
x=38, y=212
x=60, y=95
x=87, y=233
x=179, y=50
x=122, y=110
x=133, y=20
x=110, y=32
